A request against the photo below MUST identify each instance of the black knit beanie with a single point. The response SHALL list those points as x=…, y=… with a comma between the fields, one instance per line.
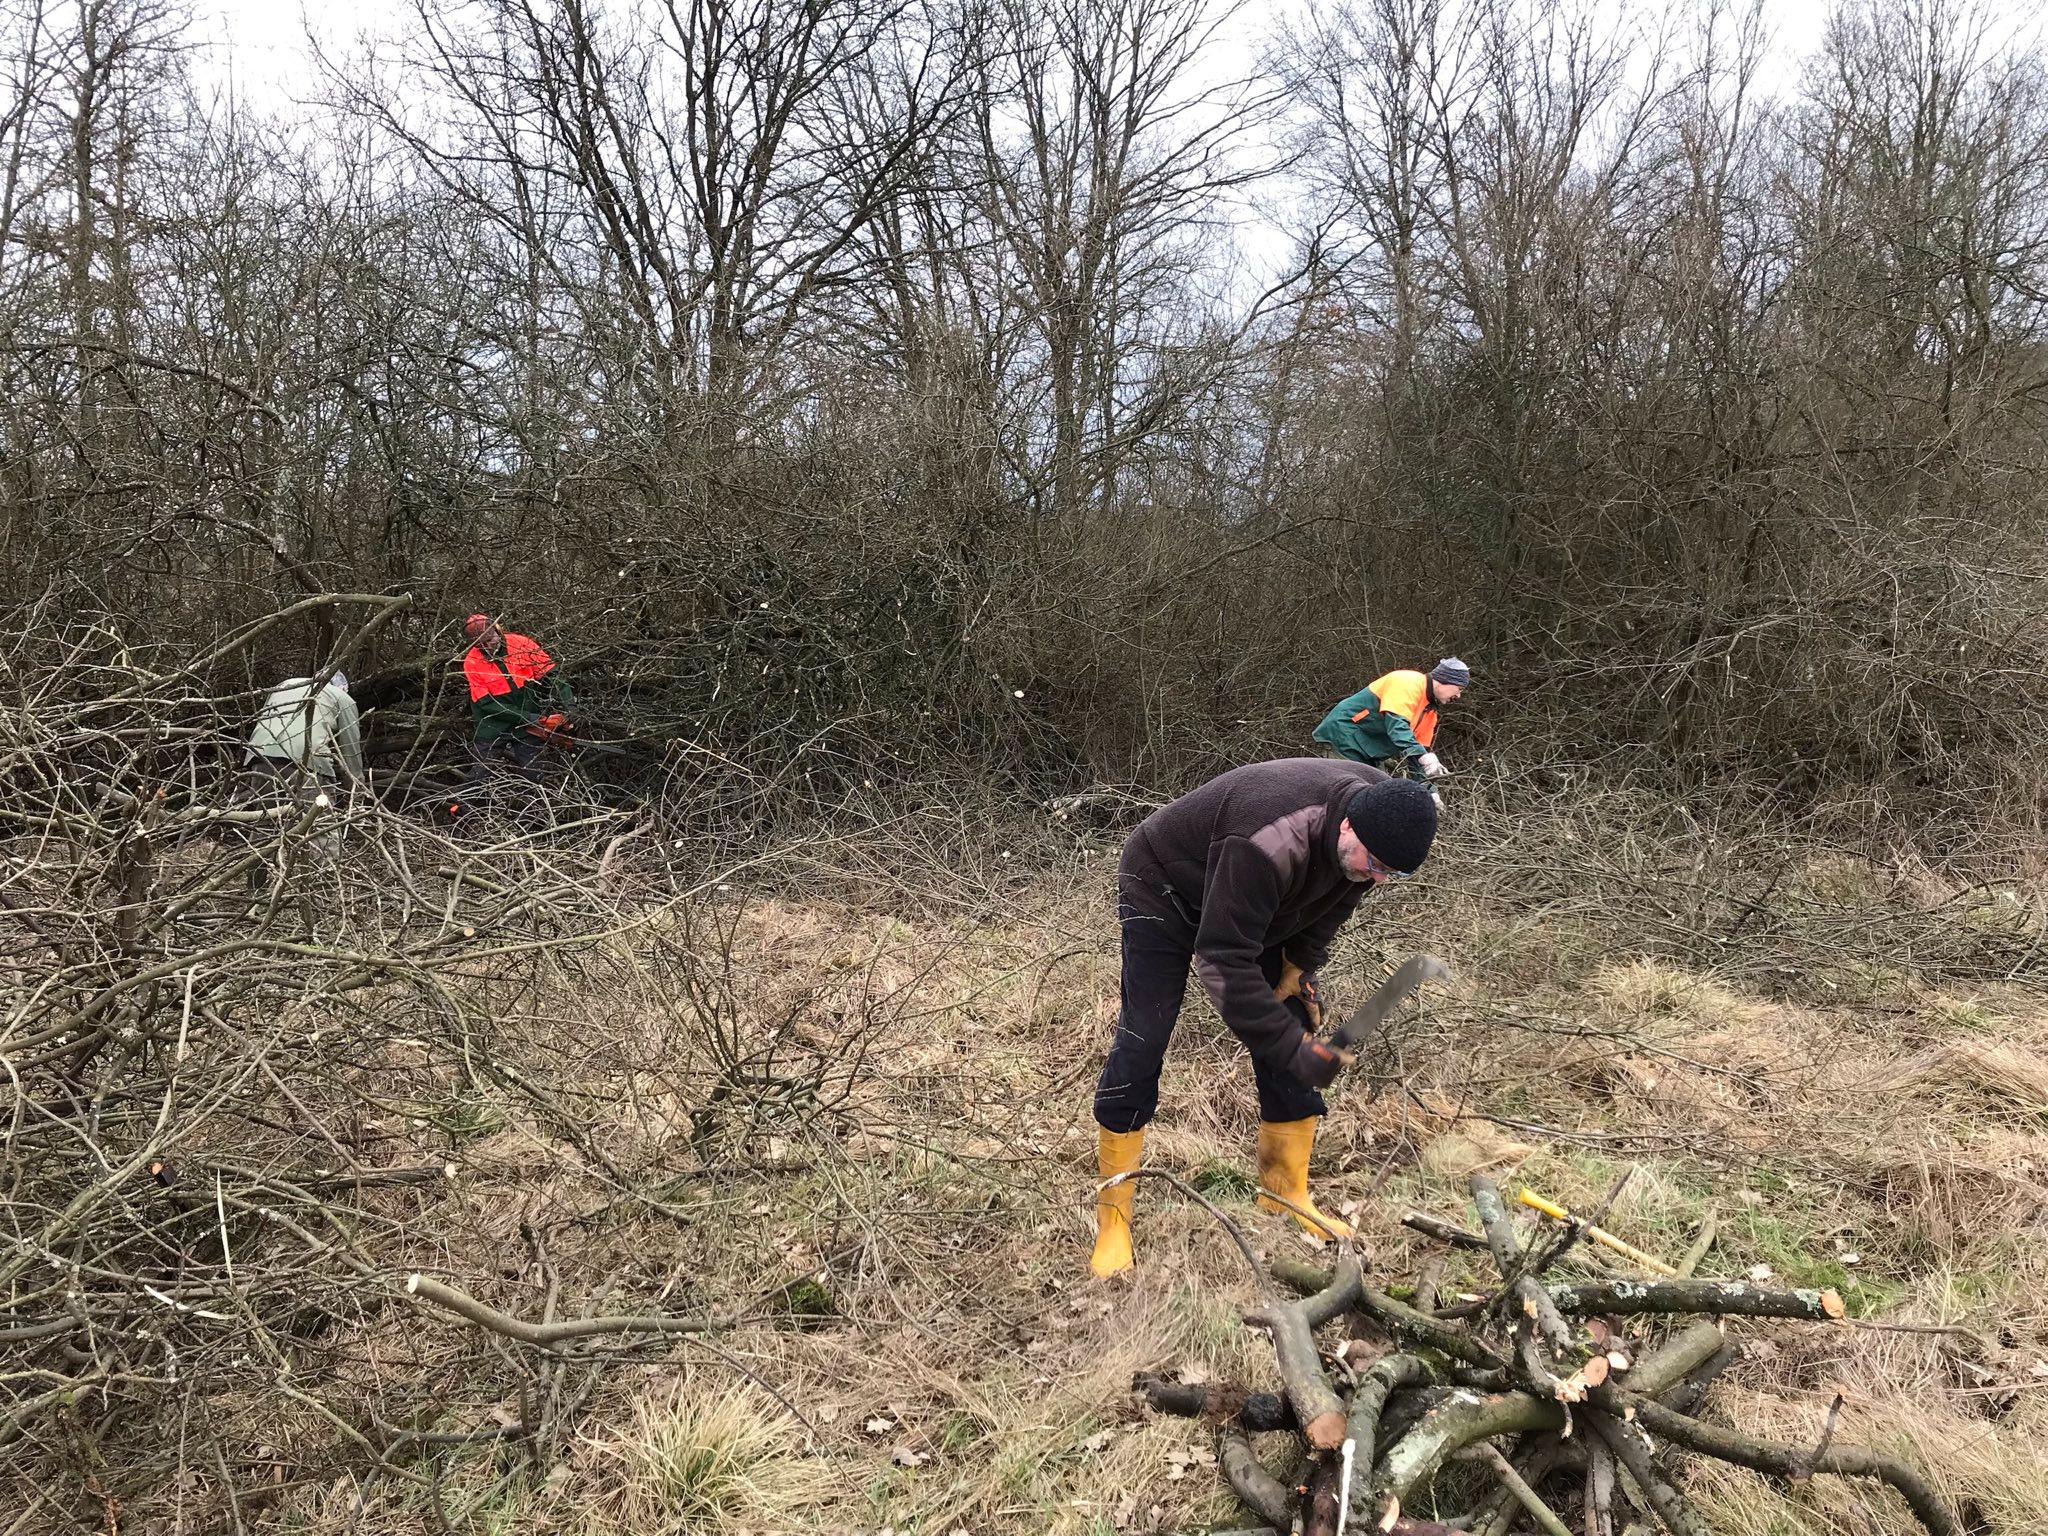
x=1396, y=820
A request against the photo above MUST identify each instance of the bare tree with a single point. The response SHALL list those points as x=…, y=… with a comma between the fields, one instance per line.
x=1105, y=165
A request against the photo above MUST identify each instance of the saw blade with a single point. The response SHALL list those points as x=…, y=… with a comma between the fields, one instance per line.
x=1369, y=1015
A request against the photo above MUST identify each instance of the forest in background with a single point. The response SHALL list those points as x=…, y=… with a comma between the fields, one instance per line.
x=885, y=388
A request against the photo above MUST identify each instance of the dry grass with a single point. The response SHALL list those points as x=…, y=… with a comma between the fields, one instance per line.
x=1980, y=1080
x=963, y=1374
x=702, y=1456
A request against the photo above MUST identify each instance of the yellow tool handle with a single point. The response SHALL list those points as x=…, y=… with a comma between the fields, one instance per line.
x=1549, y=1208
x=1600, y=1235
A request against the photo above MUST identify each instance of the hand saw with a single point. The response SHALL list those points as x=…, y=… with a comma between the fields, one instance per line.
x=1369, y=1015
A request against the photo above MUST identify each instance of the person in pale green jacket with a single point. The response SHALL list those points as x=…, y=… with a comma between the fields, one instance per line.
x=317, y=732
x=306, y=743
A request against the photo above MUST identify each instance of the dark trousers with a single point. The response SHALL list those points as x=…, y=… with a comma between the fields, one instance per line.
x=1158, y=949
x=280, y=785
x=514, y=753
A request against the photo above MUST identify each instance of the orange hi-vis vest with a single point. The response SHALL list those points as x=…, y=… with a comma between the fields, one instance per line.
x=514, y=691
x=523, y=662
x=1406, y=694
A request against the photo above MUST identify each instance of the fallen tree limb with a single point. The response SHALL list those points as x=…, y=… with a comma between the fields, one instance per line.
x=1710, y=1228
x=1692, y=1391
x=1523, y=1494
x=1549, y=1452
x=546, y=1335
x=1443, y=1231
x=1299, y=1275
x=1257, y=1412
x=1370, y=1400
x=1539, y=1312
x=1408, y=1406
x=1719, y=1298
x=1262, y=1493
x=1467, y=1418
x=1420, y=1328
x=1599, y=1501
x=1786, y=1461
x=1292, y=1325
x=1625, y=1441
x=1321, y=1487
x=1367, y=1405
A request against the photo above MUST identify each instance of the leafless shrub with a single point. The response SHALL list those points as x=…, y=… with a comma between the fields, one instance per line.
x=244, y=1074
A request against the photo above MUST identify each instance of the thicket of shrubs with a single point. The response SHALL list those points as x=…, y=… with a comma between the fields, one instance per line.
x=891, y=398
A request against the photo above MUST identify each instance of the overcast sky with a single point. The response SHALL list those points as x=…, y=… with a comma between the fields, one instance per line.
x=260, y=46
x=262, y=43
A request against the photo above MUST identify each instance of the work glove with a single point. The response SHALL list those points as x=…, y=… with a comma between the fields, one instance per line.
x=1317, y=1064
x=1295, y=982
x=1432, y=766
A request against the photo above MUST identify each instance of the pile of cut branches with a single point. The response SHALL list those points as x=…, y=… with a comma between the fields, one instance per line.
x=1519, y=1409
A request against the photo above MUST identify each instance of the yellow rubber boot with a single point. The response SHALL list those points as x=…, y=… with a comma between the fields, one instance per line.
x=1284, y=1146
x=1115, y=1152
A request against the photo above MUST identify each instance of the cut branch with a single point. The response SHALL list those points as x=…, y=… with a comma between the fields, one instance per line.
x=547, y=1335
x=1256, y=1412
x=1626, y=1442
x=1786, y=1461
x=1526, y=1496
x=1292, y=1325
x=1263, y=1493
x=1718, y=1298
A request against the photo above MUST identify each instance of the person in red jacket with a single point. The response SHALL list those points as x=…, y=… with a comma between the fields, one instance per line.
x=515, y=691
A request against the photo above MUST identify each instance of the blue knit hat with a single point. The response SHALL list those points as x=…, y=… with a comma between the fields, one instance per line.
x=1453, y=671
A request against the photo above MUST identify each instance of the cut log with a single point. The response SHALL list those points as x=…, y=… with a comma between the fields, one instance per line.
x=1292, y=1325
x=1716, y=1298
x=1256, y=1412
x=1262, y=1493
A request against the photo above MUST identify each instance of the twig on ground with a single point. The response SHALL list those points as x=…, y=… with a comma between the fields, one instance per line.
x=548, y=1335
x=1525, y=1495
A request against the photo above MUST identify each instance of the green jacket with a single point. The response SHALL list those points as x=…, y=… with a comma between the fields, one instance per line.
x=1392, y=718
x=509, y=693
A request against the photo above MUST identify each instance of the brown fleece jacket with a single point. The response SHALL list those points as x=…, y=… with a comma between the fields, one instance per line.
x=1251, y=859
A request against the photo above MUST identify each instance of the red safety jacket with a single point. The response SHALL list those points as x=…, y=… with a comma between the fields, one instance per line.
x=510, y=692
x=523, y=662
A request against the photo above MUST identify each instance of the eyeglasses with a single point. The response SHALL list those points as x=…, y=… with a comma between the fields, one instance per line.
x=1380, y=871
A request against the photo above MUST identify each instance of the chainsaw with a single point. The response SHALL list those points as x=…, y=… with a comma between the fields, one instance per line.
x=558, y=731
